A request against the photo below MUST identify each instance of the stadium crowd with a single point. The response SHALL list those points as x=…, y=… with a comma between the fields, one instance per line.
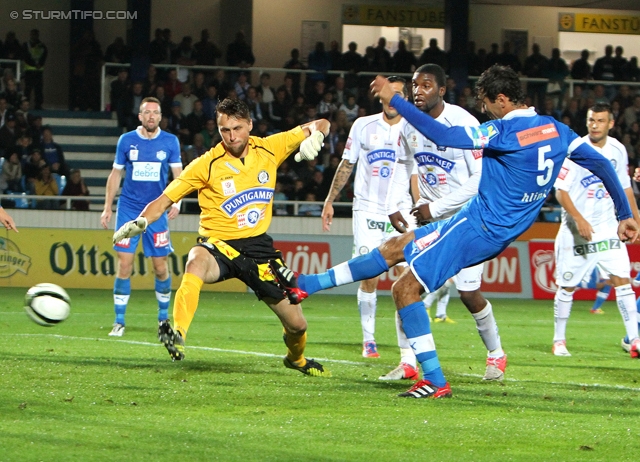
x=189, y=98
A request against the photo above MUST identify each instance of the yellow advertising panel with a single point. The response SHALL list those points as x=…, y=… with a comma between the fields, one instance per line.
x=393, y=15
x=79, y=258
x=599, y=23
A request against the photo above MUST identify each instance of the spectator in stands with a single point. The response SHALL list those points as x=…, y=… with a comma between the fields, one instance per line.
x=199, y=89
x=403, y=61
x=221, y=82
x=577, y=117
x=383, y=57
x=254, y=104
x=117, y=52
x=294, y=63
x=131, y=106
x=210, y=103
x=86, y=59
x=195, y=120
x=7, y=74
x=619, y=64
x=119, y=93
x=4, y=110
x=169, y=45
x=557, y=71
x=261, y=129
x=185, y=54
x=352, y=62
x=632, y=72
x=165, y=101
x=76, y=187
x=433, y=54
x=239, y=52
x=310, y=210
x=604, y=69
x=369, y=64
x=476, y=60
x=12, y=95
x=151, y=81
x=177, y=123
x=338, y=90
x=172, y=86
x=507, y=58
x=278, y=195
x=289, y=89
x=536, y=66
x=24, y=146
x=34, y=56
x=158, y=49
x=623, y=97
x=581, y=69
x=316, y=94
x=599, y=96
x=631, y=114
x=210, y=134
x=52, y=153
x=242, y=86
x=196, y=149
x=11, y=174
x=326, y=107
x=31, y=169
x=8, y=133
x=206, y=51
x=279, y=110
x=350, y=108
x=317, y=186
x=46, y=185
x=335, y=56
x=320, y=61
x=12, y=48
x=451, y=92
x=550, y=109
x=186, y=99
x=265, y=90
x=310, y=114
x=493, y=56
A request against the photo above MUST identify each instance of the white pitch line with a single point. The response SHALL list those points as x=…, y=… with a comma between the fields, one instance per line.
x=338, y=361
x=190, y=347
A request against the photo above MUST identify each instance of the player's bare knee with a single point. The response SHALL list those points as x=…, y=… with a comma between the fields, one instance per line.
x=473, y=300
x=393, y=249
x=369, y=285
x=406, y=290
x=160, y=268
x=617, y=281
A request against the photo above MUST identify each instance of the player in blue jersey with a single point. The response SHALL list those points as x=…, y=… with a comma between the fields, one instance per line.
x=523, y=153
x=144, y=156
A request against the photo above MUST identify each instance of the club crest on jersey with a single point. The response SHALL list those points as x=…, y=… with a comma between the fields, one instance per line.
x=424, y=159
x=228, y=187
x=161, y=155
x=231, y=167
x=250, y=196
x=598, y=193
x=161, y=239
x=431, y=179
x=263, y=177
x=482, y=135
x=375, y=139
x=250, y=218
x=381, y=155
x=133, y=153
x=363, y=250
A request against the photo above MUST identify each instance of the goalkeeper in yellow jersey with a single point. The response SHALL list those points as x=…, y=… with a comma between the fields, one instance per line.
x=235, y=182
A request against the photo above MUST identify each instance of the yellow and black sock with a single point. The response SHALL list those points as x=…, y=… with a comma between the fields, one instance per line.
x=295, y=347
x=186, y=303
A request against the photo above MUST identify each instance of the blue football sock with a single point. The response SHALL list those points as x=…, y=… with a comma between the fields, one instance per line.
x=357, y=269
x=163, y=295
x=415, y=322
x=121, y=294
x=601, y=297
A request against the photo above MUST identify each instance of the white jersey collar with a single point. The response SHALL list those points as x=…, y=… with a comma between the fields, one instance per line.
x=139, y=133
x=529, y=112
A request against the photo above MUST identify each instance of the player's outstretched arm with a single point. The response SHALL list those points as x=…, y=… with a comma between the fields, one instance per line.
x=7, y=220
x=150, y=214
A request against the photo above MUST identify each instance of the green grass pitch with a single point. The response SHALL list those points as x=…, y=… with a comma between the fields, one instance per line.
x=72, y=393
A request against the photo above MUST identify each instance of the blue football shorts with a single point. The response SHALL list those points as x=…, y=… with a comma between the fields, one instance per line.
x=156, y=240
x=441, y=249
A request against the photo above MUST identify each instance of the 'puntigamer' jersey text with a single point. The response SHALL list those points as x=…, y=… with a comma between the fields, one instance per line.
x=372, y=143
x=146, y=163
x=443, y=171
x=587, y=192
x=236, y=195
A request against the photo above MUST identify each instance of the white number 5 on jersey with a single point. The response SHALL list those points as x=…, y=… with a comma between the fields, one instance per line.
x=544, y=165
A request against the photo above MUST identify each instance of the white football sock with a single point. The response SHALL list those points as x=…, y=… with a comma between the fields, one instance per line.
x=627, y=306
x=488, y=331
x=562, y=303
x=367, y=302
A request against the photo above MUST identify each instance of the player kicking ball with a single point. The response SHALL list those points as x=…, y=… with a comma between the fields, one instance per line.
x=523, y=154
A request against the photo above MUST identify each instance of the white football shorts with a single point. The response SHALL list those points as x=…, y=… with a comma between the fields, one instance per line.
x=576, y=258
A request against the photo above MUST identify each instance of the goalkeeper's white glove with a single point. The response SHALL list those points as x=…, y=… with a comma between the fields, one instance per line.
x=310, y=147
x=130, y=229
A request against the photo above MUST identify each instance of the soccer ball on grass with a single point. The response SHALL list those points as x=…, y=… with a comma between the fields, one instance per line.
x=47, y=304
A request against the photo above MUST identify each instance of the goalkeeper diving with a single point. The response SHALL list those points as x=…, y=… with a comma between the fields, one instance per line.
x=235, y=182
